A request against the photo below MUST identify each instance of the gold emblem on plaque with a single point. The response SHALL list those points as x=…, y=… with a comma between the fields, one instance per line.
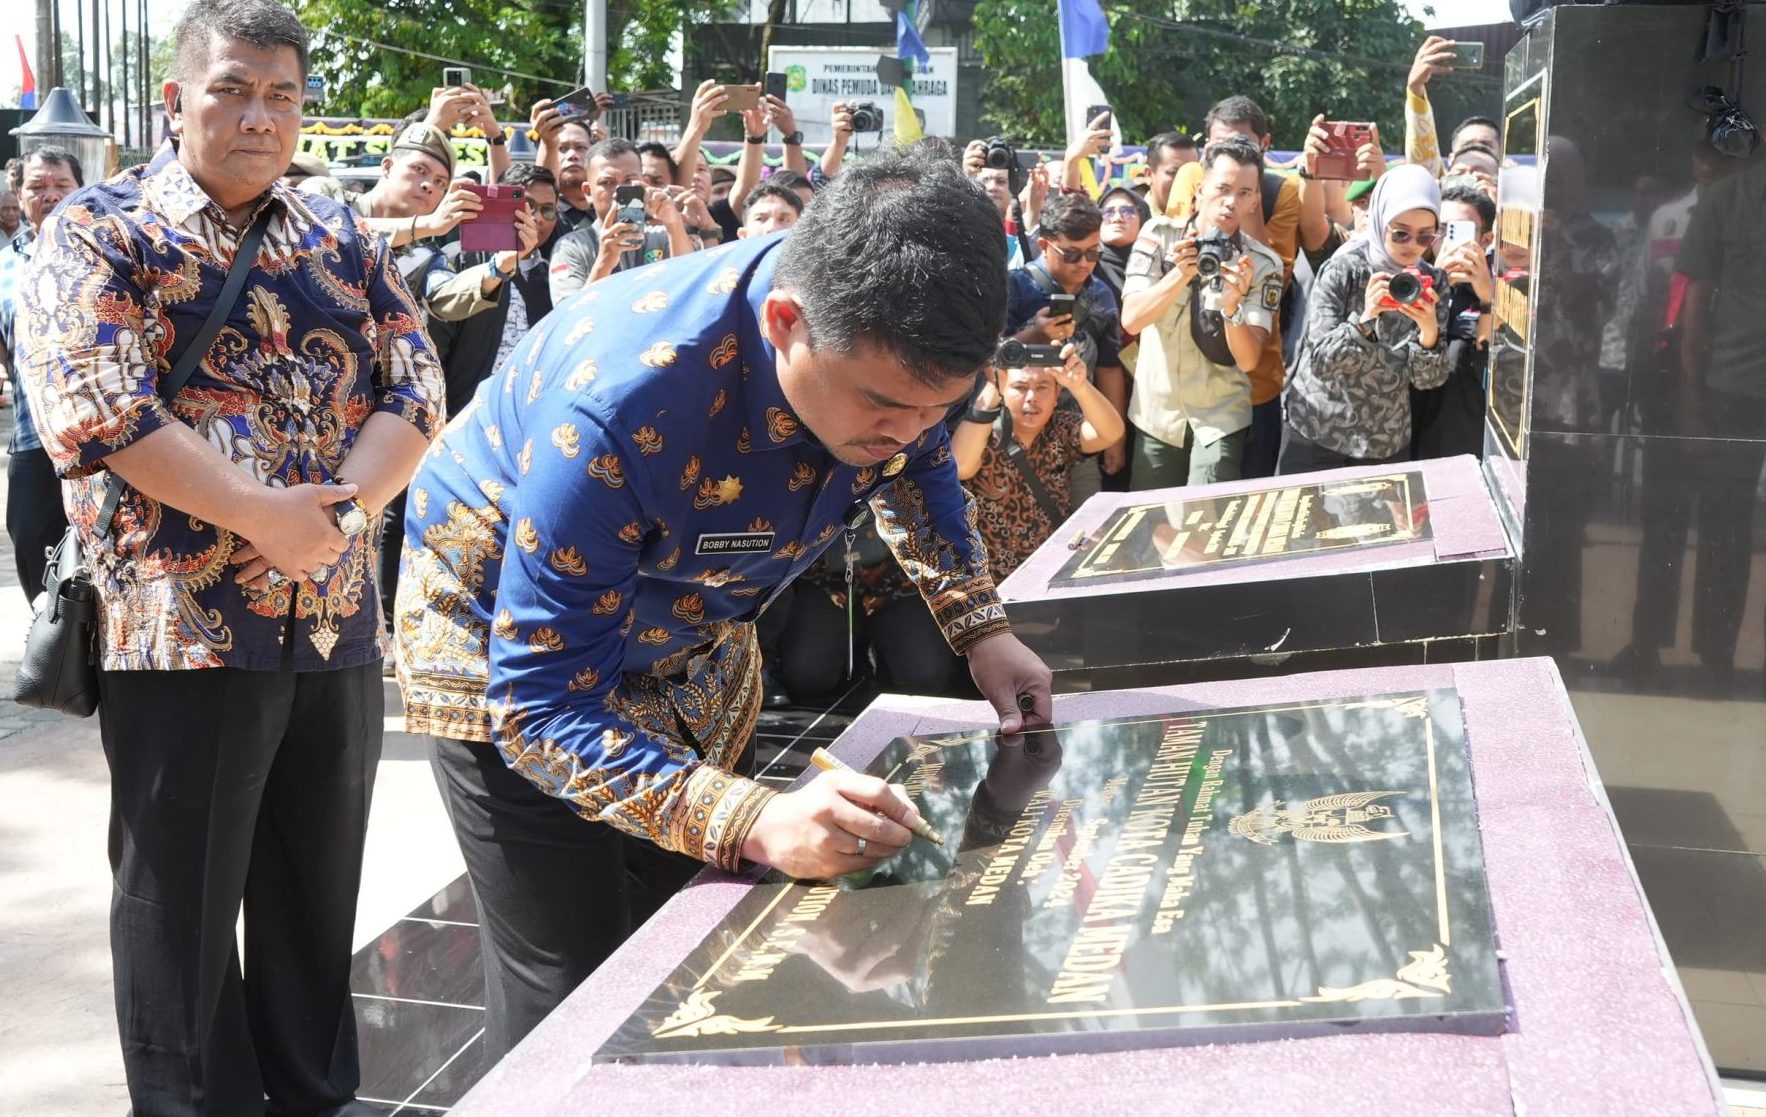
x=698, y=1016
x=1425, y=975
x=1332, y=819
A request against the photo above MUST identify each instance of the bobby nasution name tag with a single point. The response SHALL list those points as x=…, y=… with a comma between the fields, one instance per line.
x=735, y=543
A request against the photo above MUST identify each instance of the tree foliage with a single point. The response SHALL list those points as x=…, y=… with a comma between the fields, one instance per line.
x=1169, y=61
x=501, y=40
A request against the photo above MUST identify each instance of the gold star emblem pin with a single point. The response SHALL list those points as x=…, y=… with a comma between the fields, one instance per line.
x=729, y=490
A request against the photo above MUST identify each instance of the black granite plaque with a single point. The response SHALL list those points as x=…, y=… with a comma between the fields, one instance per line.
x=1200, y=533
x=1199, y=877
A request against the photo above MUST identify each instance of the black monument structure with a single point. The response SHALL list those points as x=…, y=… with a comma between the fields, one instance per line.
x=1625, y=443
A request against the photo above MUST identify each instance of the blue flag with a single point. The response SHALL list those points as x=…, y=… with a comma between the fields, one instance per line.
x=908, y=43
x=1084, y=30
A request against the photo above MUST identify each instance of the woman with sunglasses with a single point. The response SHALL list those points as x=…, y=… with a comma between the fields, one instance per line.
x=1348, y=400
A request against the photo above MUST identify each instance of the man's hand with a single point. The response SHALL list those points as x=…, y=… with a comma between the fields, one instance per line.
x=1182, y=261
x=782, y=117
x=710, y=101
x=1235, y=283
x=1047, y=328
x=842, y=124
x=1003, y=668
x=989, y=396
x=1370, y=157
x=457, y=205
x=616, y=236
x=1467, y=264
x=814, y=833
x=1034, y=194
x=1318, y=142
x=1072, y=372
x=974, y=156
x=1116, y=456
x=545, y=119
x=527, y=230
x=659, y=204
x=451, y=104
x=756, y=121
x=1436, y=56
x=1096, y=140
x=692, y=206
x=293, y=531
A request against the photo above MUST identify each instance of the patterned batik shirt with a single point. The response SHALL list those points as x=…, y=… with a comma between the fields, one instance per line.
x=1013, y=524
x=587, y=544
x=14, y=255
x=323, y=335
x=1350, y=393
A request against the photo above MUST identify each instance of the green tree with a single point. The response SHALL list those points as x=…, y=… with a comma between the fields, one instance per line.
x=382, y=59
x=1169, y=61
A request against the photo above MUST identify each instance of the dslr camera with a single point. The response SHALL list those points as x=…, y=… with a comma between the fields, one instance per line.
x=1212, y=253
x=1013, y=353
x=867, y=117
x=1408, y=286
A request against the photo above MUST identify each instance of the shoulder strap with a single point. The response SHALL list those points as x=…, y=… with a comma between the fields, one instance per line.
x=1272, y=193
x=173, y=382
x=1021, y=461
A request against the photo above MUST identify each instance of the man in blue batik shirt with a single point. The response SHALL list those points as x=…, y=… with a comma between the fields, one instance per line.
x=589, y=543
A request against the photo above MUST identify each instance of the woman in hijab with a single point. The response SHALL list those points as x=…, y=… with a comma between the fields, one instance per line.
x=1124, y=214
x=1371, y=335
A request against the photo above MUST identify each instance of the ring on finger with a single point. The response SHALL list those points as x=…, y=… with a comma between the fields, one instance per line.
x=276, y=579
x=863, y=844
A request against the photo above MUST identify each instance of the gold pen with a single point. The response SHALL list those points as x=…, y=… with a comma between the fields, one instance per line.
x=828, y=762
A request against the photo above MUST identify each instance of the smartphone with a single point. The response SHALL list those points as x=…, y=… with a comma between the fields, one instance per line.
x=1341, y=160
x=578, y=105
x=630, y=203
x=492, y=229
x=775, y=86
x=455, y=77
x=1092, y=112
x=1061, y=303
x=1468, y=56
x=1455, y=234
x=742, y=97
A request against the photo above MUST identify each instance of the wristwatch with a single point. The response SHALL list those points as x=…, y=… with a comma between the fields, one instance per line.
x=499, y=139
x=1237, y=317
x=755, y=139
x=976, y=415
x=352, y=517
x=792, y=139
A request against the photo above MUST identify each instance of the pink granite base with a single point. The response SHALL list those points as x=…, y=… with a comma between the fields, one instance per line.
x=1462, y=516
x=1602, y=1026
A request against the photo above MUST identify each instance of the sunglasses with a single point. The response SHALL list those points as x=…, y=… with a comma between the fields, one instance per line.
x=547, y=211
x=1075, y=255
x=1405, y=236
x=1118, y=213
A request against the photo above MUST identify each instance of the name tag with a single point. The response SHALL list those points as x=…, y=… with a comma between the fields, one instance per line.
x=735, y=543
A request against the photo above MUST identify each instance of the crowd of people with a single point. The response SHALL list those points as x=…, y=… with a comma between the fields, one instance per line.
x=979, y=347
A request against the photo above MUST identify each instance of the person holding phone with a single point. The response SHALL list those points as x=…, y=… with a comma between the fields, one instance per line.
x=1422, y=146
x=1370, y=336
x=646, y=226
x=1449, y=420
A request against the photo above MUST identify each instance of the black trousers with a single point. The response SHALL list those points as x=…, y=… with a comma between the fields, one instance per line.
x=556, y=893
x=912, y=655
x=233, y=787
x=34, y=516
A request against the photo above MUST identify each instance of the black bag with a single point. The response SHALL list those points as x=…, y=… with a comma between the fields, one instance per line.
x=58, y=671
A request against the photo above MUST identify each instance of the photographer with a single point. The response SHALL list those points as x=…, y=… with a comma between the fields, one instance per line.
x=1016, y=447
x=1375, y=326
x=992, y=163
x=1422, y=146
x=1449, y=420
x=1069, y=244
x=616, y=240
x=1203, y=296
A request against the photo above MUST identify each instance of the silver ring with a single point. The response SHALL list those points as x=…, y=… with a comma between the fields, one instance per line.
x=862, y=843
x=277, y=579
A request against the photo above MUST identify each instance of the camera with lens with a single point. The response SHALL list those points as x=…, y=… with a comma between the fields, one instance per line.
x=1212, y=253
x=867, y=117
x=1013, y=353
x=1407, y=287
x=1001, y=155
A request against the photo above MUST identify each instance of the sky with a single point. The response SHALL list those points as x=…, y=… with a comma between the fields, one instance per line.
x=162, y=14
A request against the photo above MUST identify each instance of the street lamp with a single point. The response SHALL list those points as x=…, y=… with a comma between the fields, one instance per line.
x=63, y=123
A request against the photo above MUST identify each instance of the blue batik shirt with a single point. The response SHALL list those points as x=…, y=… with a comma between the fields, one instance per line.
x=588, y=542
x=14, y=255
